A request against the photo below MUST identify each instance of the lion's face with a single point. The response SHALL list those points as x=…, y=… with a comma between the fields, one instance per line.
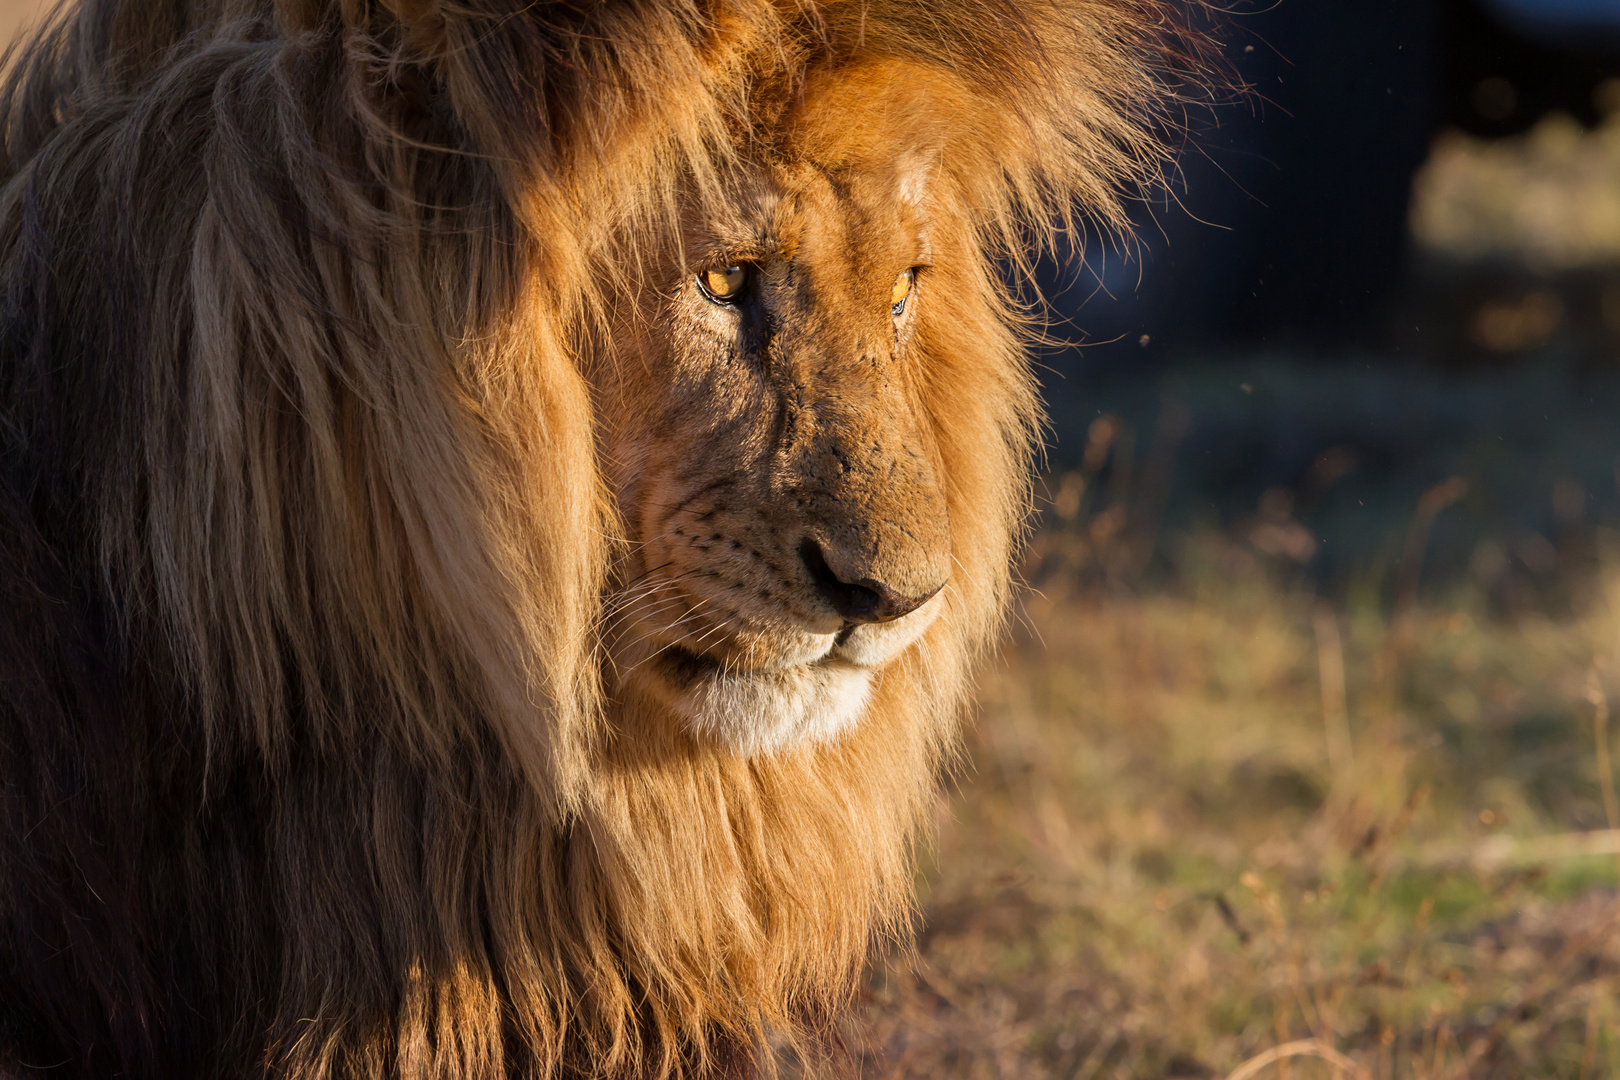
x=779, y=482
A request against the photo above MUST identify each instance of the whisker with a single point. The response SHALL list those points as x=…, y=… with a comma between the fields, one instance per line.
x=695, y=611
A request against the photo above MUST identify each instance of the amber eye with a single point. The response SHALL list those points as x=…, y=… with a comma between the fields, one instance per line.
x=902, y=289
x=725, y=284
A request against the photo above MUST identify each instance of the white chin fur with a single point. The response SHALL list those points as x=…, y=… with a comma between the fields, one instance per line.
x=768, y=712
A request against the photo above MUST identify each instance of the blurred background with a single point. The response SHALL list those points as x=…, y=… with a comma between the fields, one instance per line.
x=1402, y=247
x=1299, y=759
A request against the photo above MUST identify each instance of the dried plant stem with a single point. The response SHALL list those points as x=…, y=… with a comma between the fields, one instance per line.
x=1600, y=736
x=1589, y=1045
x=1335, y=712
x=1312, y=1048
x=1434, y=500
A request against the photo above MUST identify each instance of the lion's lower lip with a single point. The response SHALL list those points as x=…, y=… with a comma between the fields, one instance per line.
x=853, y=646
x=689, y=666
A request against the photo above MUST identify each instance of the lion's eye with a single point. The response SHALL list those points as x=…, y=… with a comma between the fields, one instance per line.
x=725, y=284
x=902, y=290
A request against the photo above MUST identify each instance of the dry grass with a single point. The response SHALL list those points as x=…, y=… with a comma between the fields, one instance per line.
x=1220, y=821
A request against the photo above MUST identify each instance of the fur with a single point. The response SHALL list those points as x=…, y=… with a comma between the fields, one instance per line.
x=324, y=338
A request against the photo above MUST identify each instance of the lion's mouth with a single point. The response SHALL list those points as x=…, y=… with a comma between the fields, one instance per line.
x=687, y=666
x=768, y=691
x=853, y=645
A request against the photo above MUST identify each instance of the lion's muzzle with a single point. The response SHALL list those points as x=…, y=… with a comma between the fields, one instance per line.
x=778, y=594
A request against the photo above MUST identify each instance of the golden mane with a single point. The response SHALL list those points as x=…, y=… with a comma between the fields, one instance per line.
x=306, y=556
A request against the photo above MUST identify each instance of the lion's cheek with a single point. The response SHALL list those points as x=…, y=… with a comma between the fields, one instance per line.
x=773, y=712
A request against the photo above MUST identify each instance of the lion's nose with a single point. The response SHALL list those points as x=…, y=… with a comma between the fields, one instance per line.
x=864, y=601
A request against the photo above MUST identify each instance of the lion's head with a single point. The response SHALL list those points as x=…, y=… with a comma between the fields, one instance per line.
x=499, y=505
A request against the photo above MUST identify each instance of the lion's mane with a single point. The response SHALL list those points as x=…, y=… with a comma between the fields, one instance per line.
x=307, y=764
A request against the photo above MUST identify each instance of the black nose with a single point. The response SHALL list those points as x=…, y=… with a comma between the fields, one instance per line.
x=863, y=601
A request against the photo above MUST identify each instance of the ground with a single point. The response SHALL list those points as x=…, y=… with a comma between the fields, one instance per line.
x=1227, y=808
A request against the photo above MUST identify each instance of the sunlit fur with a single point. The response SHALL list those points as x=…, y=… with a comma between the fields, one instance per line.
x=317, y=755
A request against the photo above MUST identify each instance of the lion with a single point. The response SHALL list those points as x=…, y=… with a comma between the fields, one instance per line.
x=501, y=504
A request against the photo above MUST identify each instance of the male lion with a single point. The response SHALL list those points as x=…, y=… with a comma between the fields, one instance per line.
x=500, y=501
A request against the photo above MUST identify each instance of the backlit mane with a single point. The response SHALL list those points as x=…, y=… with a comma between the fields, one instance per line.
x=314, y=756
